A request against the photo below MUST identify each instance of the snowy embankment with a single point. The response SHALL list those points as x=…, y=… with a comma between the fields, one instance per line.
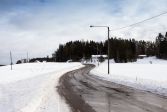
x=32, y=87
x=147, y=74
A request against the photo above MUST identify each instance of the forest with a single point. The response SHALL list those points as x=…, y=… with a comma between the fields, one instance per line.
x=121, y=50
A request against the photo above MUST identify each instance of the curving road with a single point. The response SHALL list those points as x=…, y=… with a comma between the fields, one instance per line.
x=87, y=93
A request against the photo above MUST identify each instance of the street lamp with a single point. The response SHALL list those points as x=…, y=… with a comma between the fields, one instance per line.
x=108, y=29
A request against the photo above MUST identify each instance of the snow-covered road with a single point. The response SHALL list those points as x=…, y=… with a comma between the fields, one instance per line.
x=147, y=74
x=32, y=87
x=89, y=93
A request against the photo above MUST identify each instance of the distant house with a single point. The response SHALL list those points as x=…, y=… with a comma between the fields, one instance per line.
x=21, y=61
x=142, y=56
x=37, y=61
x=98, y=58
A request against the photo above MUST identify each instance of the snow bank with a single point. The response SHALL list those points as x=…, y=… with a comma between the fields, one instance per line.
x=147, y=74
x=31, y=87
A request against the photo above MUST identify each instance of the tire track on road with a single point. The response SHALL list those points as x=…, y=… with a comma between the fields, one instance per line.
x=87, y=93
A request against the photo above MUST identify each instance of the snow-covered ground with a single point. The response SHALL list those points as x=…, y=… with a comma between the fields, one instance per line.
x=32, y=87
x=146, y=74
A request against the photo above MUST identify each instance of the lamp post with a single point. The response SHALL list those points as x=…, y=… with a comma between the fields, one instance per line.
x=108, y=29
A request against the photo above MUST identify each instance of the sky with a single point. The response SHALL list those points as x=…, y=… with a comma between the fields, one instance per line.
x=39, y=26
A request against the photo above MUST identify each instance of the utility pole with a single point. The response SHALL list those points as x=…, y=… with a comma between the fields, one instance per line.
x=11, y=63
x=27, y=58
x=108, y=50
x=108, y=29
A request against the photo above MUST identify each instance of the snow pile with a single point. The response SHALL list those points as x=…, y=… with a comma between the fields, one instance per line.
x=32, y=87
x=147, y=74
x=150, y=60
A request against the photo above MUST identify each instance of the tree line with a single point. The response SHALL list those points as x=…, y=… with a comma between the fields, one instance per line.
x=44, y=59
x=121, y=50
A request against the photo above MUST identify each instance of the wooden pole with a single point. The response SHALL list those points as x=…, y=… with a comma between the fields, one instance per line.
x=27, y=58
x=11, y=63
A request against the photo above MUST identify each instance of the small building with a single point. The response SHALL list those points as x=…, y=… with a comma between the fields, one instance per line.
x=98, y=58
x=142, y=56
x=23, y=61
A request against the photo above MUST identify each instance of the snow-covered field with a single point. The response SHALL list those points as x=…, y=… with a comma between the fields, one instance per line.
x=146, y=74
x=32, y=87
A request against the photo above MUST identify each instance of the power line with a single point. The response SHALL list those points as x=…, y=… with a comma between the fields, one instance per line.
x=140, y=22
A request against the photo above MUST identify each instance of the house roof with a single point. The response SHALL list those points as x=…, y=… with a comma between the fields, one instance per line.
x=97, y=56
x=142, y=55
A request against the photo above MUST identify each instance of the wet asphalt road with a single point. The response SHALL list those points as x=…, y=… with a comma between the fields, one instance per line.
x=87, y=93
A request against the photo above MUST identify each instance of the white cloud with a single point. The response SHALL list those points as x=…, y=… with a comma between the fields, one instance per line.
x=40, y=30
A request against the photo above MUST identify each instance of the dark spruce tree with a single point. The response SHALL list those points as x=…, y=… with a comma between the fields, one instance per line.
x=161, y=43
